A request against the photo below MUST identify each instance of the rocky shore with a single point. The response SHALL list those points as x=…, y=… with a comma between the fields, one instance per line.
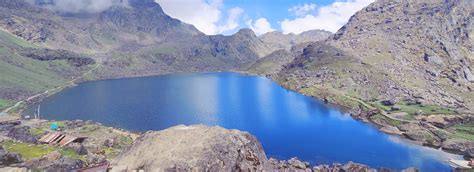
x=427, y=130
x=179, y=148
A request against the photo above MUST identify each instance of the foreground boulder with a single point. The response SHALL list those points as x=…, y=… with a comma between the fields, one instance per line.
x=196, y=147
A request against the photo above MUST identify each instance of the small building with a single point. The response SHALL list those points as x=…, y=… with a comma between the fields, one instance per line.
x=57, y=138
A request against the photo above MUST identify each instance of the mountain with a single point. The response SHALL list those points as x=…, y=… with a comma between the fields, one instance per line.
x=394, y=50
x=130, y=38
x=278, y=40
x=287, y=46
x=426, y=47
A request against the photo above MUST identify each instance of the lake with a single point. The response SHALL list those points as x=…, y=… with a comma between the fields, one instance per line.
x=287, y=123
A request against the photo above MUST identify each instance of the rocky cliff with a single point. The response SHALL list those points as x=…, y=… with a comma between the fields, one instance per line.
x=425, y=47
x=414, y=49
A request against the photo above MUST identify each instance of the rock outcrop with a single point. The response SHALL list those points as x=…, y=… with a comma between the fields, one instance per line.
x=7, y=158
x=194, y=147
x=445, y=121
x=23, y=134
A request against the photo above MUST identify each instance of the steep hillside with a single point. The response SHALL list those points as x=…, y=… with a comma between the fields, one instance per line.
x=26, y=70
x=414, y=49
x=425, y=47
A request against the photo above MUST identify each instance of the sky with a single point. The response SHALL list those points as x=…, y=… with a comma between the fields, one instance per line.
x=262, y=16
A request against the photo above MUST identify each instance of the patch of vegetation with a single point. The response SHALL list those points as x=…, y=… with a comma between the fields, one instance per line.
x=126, y=140
x=14, y=40
x=346, y=101
x=31, y=151
x=27, y=151
x=389, y=121
x=379, y=105
x=18, y=109
x=5, y=104
x=22, y=76
x=37, y=131
x=463, y=131
x=164, y=49
x=412, y=109
x=88, y=128
x=71, y=154
x=110, y=152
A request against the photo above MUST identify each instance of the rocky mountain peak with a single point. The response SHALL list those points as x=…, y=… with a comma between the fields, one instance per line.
x=247, y=33
x=144, y=4
x=278, y=40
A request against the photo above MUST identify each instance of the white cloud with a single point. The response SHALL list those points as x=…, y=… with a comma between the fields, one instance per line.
x=331, y=17
x=232, y=21
x=205, y=15
x=76, y=6
x=302, y=10
x=260, y=26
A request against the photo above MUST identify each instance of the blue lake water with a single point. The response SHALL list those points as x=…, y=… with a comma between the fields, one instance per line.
x=287, y=124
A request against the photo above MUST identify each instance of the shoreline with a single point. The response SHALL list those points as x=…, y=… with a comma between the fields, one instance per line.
x=32, y=100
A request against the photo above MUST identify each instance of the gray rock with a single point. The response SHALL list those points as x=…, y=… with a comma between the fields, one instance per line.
x=78, y=148
x=411, y=169
x=294, y=162
x=61, y=164
x=7, y=158
x=95, y=159
x=22, y=133
x=388, y=102
x=11, y=158
x=395, y=108
x=355, y=167
x=467, y=74
x=383, y=169
x=459, y=146
x=197, y=146
x=433, y=59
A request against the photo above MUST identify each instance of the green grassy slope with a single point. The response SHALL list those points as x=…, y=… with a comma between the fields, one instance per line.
x=21, y=76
